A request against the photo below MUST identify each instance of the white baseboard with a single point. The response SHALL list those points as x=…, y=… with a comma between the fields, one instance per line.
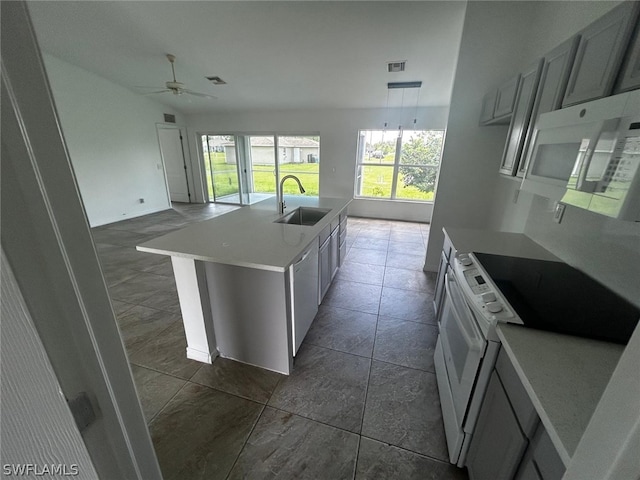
x=199, y=356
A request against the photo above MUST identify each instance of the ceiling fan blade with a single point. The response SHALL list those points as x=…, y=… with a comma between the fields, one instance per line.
x=159, y=91
x=196, y=94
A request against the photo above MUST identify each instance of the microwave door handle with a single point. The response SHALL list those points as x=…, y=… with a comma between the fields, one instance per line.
x=584, y=185
x=473, y=338
x=585, y=162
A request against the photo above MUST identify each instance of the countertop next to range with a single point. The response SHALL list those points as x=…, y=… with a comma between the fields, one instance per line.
x=248, y=236
x=564, y=376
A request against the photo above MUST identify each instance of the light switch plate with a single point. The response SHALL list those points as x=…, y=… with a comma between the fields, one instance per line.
x=558, y=212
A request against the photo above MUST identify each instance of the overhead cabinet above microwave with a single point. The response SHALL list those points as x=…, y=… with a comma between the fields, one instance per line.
x=589, y=156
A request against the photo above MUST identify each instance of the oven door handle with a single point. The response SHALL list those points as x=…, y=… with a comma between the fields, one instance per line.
x=469, y=329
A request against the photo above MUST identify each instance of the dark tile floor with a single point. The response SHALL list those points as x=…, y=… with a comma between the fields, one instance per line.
x=361, y=403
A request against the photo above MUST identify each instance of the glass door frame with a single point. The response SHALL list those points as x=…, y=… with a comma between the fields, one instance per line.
x=205, y=181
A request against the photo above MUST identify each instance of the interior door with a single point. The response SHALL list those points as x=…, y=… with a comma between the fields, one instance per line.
x=175, y=165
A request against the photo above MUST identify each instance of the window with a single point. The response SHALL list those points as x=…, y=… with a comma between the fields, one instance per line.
x=396, y=167
x=242, y=169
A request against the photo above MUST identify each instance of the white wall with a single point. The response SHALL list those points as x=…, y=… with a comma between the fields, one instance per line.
x=338, y=130
x=113, y=143
x=472, y=153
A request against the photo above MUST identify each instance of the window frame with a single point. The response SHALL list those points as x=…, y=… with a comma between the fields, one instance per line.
x=396, y=166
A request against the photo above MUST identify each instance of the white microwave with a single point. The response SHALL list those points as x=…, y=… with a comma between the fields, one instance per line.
x=588, y=156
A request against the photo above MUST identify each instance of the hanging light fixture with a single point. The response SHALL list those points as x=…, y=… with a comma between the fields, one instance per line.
x=403, y=86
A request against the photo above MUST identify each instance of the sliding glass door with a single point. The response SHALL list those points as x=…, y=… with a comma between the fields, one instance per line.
x=221, y=168
x=244, y=169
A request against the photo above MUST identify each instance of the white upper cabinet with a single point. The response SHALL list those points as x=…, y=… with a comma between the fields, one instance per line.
x=600, y=54
x=498, y=104
x=520, y=118
x=630, y=77
x=556, y=67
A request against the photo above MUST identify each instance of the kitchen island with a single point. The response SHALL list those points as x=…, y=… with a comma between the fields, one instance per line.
x=235, y=276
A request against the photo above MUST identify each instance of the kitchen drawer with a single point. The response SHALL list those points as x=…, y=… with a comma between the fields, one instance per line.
x=335, y=223
x=518, y=397
x=324, y=234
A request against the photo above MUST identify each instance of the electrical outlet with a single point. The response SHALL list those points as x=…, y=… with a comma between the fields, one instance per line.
x=141, y=200
x=558, y=212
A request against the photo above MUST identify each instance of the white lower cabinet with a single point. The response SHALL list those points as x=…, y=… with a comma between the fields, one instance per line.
x=541, y=461
x=498, y=443
x=510, y=442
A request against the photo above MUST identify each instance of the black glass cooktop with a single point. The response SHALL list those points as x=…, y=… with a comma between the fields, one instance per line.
x=556, y=297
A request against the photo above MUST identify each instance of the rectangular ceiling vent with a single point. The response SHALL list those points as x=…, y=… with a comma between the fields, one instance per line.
x=394, y=67
x=216, y=80
x=168, y=118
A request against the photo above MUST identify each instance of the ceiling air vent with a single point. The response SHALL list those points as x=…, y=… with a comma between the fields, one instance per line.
x=394, y=67
x=168, y=118
x=216, y=80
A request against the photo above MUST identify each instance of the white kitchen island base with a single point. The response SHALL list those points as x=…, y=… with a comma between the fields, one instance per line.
x=251, y=309
x=248, y=283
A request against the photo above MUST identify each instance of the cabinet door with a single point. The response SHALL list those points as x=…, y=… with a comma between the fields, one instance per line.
x=325, y=269
x=488, y=106
x=600, y=53
x=520, y=119
x=498, y=443
x=335, y=251
x=506, y=98
x=630, y=75
x=528, y=470
x=556, y=68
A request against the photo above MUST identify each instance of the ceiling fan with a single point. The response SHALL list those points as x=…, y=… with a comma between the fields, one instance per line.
x=175, y=87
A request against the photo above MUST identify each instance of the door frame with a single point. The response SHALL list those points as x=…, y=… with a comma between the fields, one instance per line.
x=186, y=158
x=48, y=244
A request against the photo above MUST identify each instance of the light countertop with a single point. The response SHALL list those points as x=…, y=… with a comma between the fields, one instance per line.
x=248, y=236
x=468, y=240
x=564, y=376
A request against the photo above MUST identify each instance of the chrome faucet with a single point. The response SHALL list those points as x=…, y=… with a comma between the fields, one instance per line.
x=281, y=204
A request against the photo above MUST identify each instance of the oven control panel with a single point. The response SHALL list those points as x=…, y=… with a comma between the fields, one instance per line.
x=480, y=291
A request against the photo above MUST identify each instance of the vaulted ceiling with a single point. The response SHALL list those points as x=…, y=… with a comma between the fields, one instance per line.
x=273, y=55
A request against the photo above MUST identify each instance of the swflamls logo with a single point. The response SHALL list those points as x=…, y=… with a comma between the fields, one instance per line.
x=24, y=469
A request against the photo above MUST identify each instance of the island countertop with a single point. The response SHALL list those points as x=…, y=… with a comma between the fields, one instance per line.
x=248, y=236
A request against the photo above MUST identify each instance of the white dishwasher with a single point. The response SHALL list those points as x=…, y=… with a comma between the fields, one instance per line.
x=304, y=281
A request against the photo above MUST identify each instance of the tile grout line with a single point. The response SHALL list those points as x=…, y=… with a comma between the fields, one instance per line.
x=255, y=424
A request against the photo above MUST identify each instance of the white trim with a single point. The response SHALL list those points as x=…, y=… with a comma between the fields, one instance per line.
x=197, y=355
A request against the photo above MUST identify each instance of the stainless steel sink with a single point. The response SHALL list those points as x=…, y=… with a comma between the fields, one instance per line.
x=304, y=216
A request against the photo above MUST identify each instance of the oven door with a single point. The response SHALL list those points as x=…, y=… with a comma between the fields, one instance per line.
x=463, y=345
